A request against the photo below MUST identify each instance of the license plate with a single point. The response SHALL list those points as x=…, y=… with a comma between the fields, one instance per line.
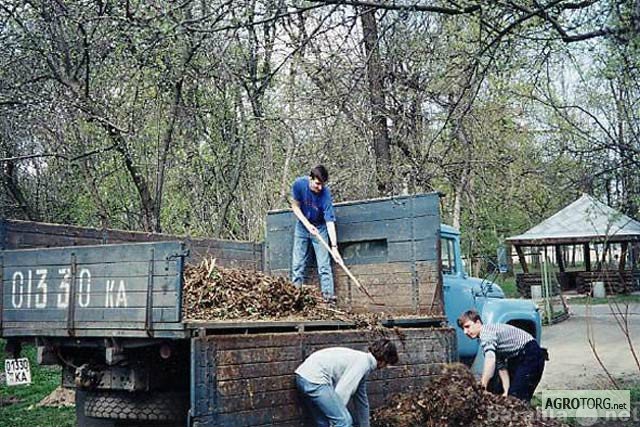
x=17, y=371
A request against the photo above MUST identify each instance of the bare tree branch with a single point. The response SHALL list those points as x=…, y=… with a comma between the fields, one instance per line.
x=410, y=7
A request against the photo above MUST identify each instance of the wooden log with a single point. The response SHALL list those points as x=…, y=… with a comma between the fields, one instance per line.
x=523, y=260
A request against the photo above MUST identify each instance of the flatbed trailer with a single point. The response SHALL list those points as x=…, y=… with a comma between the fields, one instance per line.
x=111, y=316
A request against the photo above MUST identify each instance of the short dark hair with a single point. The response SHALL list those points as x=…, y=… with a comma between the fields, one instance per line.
x=468, y=315
x=320, y=173
x=384, y=351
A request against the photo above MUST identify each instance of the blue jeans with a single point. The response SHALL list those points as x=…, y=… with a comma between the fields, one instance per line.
x=300, y=258
x=325, y=405
x=525, y=371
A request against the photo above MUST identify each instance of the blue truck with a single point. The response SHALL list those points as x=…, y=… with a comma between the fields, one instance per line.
x=111, y=314
x=462, y=292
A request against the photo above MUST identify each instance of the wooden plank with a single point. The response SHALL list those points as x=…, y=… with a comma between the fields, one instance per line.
x=373, y=279
x=32, y=240
x=261, y=355
x=92, y=254
x=20, y=294
x=110, y=315
x=399, y=229
x=257, y=370
x=327, y=339
x=227, y=254
x=99, y=270
x=424, y=250
x=269, y=416
x=160, y=331
x=234, y=342
x=98, y=299
x=369, y=210
x=251, y=400
x=225, y=245
x=239, y=386
x=55, y=233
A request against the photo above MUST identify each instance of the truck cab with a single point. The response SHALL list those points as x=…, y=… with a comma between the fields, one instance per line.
x=462, y=293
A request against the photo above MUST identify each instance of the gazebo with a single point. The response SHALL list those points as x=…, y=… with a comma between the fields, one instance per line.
x=589, y=242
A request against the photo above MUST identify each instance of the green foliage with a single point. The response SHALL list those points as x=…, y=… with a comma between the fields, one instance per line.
x=24, y=413
x=508, y=285
x=186, y=118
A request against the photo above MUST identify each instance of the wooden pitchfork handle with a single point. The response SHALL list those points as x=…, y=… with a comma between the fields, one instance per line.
x=346, y=270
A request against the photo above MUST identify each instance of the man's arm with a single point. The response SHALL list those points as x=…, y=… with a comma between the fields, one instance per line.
x=504, y=377
x=361, y=404
x=333, y=241
x=295, y=207
x=489, y=368
x=350, y=380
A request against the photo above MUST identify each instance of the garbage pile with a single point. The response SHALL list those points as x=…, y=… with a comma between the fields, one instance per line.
x=456, y=399
x=213, y=293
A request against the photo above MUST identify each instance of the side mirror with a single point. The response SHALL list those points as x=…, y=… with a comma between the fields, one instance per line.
x=503, y=264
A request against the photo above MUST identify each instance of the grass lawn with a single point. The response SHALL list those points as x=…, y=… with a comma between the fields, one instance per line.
x=620, y=299
x=24, y=413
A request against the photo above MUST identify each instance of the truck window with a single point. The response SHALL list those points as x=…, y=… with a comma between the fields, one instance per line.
x=447, y=256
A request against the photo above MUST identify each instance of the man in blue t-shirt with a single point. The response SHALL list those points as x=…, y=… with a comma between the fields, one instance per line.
x=313, y=206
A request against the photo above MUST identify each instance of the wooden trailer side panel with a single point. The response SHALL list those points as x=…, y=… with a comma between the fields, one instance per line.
x=16, y=234
x=130, y=289
x=390, y=245
x=248, y=380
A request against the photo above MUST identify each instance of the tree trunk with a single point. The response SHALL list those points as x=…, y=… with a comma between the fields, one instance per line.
x=375, y=72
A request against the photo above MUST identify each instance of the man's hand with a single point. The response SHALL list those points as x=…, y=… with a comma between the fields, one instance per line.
x=336, y=255
x=489, y=368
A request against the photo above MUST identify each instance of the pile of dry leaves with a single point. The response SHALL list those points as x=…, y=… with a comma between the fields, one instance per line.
x=456, y=399
x=213, y=293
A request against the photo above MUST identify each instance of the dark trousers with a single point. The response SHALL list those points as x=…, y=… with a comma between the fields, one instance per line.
x=525, y=371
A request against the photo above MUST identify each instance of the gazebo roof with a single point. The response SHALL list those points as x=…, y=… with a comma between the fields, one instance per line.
x=584, y=220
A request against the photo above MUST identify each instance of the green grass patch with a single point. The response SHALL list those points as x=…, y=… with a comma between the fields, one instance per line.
x=24, y=413
x=508, y=285
x=619, y=299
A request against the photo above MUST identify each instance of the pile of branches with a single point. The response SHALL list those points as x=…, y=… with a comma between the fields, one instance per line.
x=455, y=399
x=214, y=293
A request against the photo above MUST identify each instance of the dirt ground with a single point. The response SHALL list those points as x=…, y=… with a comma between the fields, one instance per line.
x=572, y=363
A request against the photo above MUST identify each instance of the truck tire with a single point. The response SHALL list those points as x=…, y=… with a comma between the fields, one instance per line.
x=149, y=406
x=82, y=420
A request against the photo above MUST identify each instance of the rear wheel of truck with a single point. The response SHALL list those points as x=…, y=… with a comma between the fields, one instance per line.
x=143, y=406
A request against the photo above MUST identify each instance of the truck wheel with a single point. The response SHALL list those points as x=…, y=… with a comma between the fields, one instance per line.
x=149, y=406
